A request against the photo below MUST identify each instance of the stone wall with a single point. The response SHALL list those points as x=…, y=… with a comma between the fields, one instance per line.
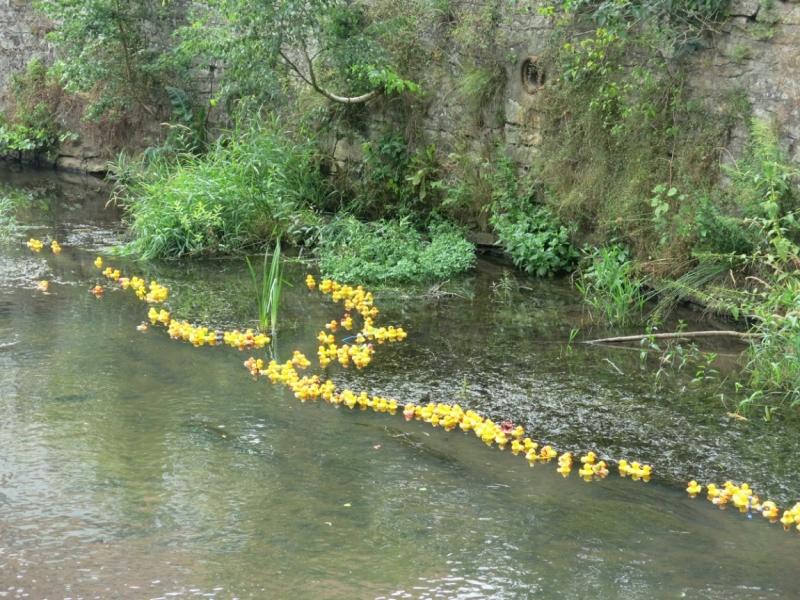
x=756, y=52
x=21, y=39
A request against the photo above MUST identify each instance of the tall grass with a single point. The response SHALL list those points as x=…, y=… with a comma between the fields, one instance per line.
x=268, y=289
x=255, y=183
x=610, y=287
x=7, y=221
x=774, y=364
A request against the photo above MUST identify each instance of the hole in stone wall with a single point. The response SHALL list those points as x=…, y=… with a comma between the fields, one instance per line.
x=533, y=75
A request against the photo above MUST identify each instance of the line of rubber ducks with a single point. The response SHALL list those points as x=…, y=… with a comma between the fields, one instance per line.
x=505, y=434
x=743, y=498
x=197, y=336
x=448, y=416
x=154, y=293
x=203, y=336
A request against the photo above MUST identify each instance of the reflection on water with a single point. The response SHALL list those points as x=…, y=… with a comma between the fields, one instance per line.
x=134, y=466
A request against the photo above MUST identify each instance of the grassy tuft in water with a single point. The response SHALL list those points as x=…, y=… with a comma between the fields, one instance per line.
x=268, y=289
x=8, y=223
x=610, y=286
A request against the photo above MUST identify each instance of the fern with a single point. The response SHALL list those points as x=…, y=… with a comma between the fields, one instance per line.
x=180, y=102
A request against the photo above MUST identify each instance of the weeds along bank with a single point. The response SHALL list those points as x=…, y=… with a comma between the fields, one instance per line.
x=377, y=133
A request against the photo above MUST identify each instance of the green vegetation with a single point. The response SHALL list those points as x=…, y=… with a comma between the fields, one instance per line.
x=391, y=252
x=255, y=184
x=8, y=223
x=264, y=44
x=534, y=238
x=628, y=156
x=117, y=54
x=30, y=128
x=744, y=256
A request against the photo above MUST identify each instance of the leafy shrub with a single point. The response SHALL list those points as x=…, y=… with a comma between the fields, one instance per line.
x=115, y=52
x=534, y=237
x=254, y=184
x=31, y=127
x=391, y=252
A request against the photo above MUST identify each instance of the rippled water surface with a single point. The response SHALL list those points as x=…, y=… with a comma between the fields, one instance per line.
x=134, y=466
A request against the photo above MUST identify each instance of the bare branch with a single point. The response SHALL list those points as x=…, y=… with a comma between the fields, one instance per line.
x=679, y=335
x=311, y=80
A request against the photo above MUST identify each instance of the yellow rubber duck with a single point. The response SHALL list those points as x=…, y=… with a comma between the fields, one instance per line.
x=564, y=469
x=787, y=520
x=98, y=262
x=712, y=491
x=770, y=511
x=589, y=458
x=547, y=453
x=693, y=489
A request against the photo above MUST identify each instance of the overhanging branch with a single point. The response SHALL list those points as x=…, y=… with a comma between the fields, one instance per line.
x=311, y=80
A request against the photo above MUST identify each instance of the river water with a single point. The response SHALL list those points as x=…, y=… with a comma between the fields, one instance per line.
x=135, y=466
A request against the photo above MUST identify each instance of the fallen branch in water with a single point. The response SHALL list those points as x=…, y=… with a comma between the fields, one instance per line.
x=674, y=336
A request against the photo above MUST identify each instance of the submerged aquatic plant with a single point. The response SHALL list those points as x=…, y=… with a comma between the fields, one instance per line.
x=268, y=289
